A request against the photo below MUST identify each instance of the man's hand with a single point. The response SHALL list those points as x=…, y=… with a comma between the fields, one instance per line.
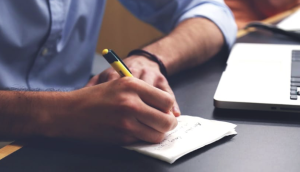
x=122, y=111
x=142, y=68
x=192, y=42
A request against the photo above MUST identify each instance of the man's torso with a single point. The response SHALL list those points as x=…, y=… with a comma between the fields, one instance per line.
x=48, y=44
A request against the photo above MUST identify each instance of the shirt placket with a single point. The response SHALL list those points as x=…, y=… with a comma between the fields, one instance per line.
x=48, y=49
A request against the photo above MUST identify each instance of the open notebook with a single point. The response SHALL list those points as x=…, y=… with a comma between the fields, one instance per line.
x=190, y=134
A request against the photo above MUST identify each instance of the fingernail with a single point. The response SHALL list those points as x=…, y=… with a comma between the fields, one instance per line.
x=176, y=111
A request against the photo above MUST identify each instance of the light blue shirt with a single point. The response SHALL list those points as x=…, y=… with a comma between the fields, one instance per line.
x=50, y=44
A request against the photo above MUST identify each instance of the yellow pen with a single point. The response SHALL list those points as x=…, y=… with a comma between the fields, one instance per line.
x=120, y=67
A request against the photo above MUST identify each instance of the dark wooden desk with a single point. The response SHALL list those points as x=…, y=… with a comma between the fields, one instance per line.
x=268, y=142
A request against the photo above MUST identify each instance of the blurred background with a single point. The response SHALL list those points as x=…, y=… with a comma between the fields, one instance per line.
x=123, y=32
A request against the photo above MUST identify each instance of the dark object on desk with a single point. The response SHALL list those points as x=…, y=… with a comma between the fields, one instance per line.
x=295, y=35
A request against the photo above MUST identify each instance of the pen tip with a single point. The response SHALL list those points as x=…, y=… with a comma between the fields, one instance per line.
x=105, y=51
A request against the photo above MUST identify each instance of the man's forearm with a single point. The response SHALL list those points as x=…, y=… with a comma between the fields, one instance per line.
x=192, y=42
x=90, y=114
x=25, y=113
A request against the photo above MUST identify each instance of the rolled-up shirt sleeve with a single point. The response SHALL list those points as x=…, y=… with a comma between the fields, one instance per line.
x=167, y=14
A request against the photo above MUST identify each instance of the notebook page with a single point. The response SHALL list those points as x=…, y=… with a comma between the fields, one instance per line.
x=190, y=134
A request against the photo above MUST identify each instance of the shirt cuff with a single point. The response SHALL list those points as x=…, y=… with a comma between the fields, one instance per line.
x=219, y=14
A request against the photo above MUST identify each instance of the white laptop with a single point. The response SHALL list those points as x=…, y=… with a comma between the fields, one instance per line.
x=261, y=77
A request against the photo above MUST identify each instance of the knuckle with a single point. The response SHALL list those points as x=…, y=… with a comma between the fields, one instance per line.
x=127, y=104
x=169, y=100
x=128, y=83
x=145, y=71
x=125, y=125
x=161, y=79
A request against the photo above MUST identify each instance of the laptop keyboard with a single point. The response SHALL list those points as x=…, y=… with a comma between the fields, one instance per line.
x=295, y=74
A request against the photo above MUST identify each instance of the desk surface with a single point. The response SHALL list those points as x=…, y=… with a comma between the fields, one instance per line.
x=265, y=142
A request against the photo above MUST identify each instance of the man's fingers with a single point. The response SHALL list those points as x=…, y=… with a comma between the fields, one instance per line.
x=108, y=75
x=153, y=118
x=176, y=110
x=155, y=97
x=93, y=81
x=112, y=76
x=135, y=72
x=148, y=78
x=145, y=133
x=163, y=84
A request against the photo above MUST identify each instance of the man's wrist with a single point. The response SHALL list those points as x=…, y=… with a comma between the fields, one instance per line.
x=151, y=57
x=54, y=107
x=142, y=60
x=26, y=114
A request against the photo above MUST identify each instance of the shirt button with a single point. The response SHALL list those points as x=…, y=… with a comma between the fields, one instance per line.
x=44, y=52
